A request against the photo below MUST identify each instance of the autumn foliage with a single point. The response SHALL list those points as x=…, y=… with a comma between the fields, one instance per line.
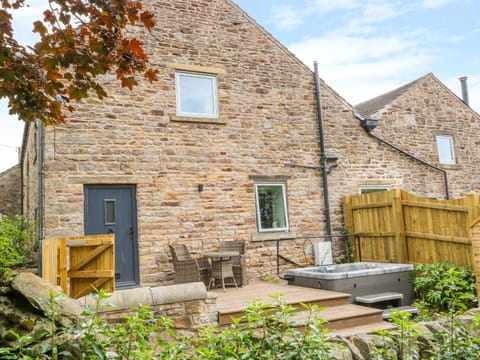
x=79, y=40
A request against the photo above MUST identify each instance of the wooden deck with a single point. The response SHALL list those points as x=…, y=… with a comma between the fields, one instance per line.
x=237, y=299
x=342, y=316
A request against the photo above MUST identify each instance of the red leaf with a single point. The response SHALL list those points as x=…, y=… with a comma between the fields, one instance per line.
x=38, y=27
x=129, y=82
x=49, y=17
x=151, y=75
x=147, y=19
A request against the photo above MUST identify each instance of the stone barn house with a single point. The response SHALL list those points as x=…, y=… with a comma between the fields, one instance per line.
x=226, y=145
x=429, y=122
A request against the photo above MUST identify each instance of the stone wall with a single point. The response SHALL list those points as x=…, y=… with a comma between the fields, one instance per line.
x=25, y=307
x=267, y=120
x=189, y=306
x=30, y=173
x=10, y=191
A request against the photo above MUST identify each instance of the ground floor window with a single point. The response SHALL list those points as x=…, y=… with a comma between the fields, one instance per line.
x=365, y=189
x=271, y=207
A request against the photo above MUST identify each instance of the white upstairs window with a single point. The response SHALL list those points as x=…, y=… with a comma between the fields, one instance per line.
x=196, y=95
x=446, y=153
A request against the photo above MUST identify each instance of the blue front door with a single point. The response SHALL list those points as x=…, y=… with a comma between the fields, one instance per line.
x=113, y=209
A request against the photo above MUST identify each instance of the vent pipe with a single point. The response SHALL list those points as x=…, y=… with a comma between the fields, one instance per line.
x=463, y=81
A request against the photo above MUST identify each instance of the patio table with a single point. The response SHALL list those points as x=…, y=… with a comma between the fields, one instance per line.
x=221, y=267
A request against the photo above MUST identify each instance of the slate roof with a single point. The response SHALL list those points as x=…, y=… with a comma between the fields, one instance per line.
x=370, y=107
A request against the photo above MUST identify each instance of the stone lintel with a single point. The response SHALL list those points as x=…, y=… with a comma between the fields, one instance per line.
x=269, y=178
x=197, y=68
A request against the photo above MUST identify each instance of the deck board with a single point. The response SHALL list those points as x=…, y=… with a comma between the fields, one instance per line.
x=235, y=300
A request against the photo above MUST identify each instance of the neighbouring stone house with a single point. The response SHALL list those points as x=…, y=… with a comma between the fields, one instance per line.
x=10, y=192
x=428, y=121
x=224, y=146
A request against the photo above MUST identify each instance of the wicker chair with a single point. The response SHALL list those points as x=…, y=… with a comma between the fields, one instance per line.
x=238, y=262
x=188, y=269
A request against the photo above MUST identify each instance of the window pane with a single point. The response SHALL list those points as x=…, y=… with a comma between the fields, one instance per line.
x=271, y=207
x=110, y=212
x=373, y=188
x=445, y=149
x=197, y=95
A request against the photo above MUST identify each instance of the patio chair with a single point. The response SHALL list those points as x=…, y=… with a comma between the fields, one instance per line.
x=188, y=269
x=238, y=262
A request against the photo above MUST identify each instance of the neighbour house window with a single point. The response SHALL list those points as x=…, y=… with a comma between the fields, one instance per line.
x=446, y=153
x=196, y=95
x=365, y=189
x=271, y=206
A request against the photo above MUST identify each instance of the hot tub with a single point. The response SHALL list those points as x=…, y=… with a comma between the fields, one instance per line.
x=357, y=279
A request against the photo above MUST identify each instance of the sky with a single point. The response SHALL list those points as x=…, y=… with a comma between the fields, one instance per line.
x=364, y=48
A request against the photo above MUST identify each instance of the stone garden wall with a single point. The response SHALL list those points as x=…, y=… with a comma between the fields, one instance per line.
x=10, y=190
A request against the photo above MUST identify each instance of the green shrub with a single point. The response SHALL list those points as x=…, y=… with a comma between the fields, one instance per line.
x=457, y=341
x=444, y=287
x=18, y=244
x=401, y=343
x=265, y=332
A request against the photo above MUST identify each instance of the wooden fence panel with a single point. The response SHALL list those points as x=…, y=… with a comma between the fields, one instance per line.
x=77, y=263
x=372, y=215
x=407, y=228
x=475, y=232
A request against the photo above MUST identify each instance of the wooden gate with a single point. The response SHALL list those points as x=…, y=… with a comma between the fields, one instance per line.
x=395, y=226
x=78, y=263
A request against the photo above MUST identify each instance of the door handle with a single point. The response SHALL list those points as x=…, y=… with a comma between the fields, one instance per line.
x=131, y=233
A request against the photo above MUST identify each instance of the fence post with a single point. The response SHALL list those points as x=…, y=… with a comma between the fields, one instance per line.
x=49, y=261
x=475, y=236
x=472, y=201
x=399, y=226
x=348, y=222
x=62, y=264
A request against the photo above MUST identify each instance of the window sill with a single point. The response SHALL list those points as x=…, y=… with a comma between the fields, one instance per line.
x=450, y=166
x=200, y=120
x=272, y=236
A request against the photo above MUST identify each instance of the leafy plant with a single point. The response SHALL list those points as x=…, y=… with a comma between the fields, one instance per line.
x=444, y=287
x=457, y=342
x=18, y=244
x=267, y=331
x=404, y=340
x=79, y=41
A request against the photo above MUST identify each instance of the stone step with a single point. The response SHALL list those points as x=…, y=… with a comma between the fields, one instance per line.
x=376, y=298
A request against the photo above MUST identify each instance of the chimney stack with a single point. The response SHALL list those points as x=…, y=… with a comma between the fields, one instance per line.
x=463, y=81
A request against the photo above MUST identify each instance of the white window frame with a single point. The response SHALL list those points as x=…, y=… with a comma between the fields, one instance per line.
x=285, y=208
x=451, y=159
x=213, y=78
x=373, y=187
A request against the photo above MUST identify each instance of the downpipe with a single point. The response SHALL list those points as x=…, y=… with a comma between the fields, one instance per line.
x=323, y=156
